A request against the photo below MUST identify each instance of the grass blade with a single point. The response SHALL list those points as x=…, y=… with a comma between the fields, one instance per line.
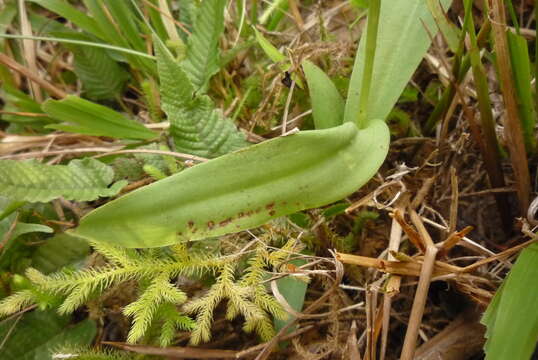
x=519, y=56
x=94, y=119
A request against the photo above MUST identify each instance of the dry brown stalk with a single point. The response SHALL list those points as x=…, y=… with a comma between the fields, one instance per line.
x=452, y=223
x=419, y=303
x=29, y=48
x=514, y=132
x=47, y=86
x=414, y=237
x=393, y=284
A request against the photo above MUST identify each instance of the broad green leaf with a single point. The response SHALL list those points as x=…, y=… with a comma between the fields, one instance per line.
x=65, y=10
x=38, y=333
x=202, y=59
x=243, y=189
x=519, y=55
x=81, y=180
x=511, y=317
x=327, y=104
x=96, y=119
x=196, y=126
x=59, y=251
x=401, y=44
x=102, y=77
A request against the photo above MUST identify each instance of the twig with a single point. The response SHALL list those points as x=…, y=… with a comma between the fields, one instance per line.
x=51, y=89
x=29, y=49
x=452, y=222
x=176, y=351
x=394, y=244
x=419, y=303
x=105, y=150
x=421, y=295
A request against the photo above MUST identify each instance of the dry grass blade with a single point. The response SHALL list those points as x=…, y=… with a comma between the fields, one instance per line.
x=47, y=86
x=512, y=122
x=29, y=48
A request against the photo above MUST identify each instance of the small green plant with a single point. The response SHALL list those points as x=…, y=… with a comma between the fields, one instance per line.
x=160, y=301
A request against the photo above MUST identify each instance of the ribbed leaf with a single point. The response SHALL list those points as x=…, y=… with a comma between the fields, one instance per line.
x=81, y=180
x=202, y=59
x=197, y=127
x=101, y=76
x=94, y=119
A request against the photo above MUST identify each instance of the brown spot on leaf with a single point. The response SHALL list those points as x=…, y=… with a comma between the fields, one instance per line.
x=225, y=222
x=240, y=215
x=190, y=223
x=270, y=206
x=210, y=225
x=272, y=212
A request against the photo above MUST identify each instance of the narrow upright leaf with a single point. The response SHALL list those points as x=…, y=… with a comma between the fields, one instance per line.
x=401, y=44
x=202, y=59
x=102, y=77
x=94, y=119
x=327, y=104
x=81, y=180
x=197, y=127
x=521, y=66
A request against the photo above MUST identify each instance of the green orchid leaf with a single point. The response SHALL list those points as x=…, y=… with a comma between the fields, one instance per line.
x=327, y=104
x=402, y=42
x=243, y=189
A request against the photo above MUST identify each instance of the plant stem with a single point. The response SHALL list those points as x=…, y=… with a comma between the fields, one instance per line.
x=371, y=39
x=487, y=137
